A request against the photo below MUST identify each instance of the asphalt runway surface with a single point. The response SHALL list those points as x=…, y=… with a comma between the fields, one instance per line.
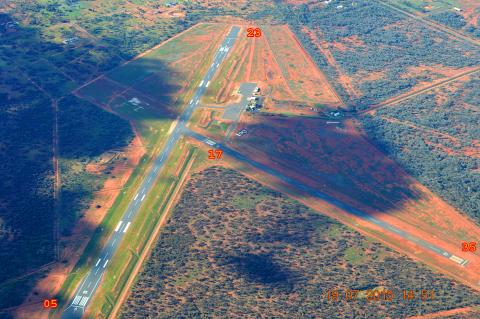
x=313, y=192
x=90, y=283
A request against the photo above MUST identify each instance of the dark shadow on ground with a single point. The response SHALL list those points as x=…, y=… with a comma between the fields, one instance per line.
x=332, y=158
x=27, y=117
x=260, y=268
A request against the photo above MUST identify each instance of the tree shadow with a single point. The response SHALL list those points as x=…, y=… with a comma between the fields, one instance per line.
x=261, y=269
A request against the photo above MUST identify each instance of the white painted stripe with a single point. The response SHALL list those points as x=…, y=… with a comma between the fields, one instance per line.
x=75, y=301
x=105, y=264
x=84, y=301
x=135, y=197
x=208, y=83
x=456, y=259
x=126, y=227
x=143, y=197
x=191, y=101
x=118, y=226
x=201, y=83
x=210, y=142
x=98, y=261
x=114, y=241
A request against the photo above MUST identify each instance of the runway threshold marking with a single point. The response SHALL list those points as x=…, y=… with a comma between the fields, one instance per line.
x=456, y=259
x=84, y=301
x=76, y=300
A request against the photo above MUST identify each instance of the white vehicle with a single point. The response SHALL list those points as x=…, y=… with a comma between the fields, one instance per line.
x=242, y=132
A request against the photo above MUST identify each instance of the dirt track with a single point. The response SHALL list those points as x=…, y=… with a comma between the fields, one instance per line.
x=432, y=24
x=408, y=95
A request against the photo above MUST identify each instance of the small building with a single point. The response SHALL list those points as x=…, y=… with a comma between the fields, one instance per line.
x=335, y=113
x=70, y=40
x=135, y=101
x=251, y=105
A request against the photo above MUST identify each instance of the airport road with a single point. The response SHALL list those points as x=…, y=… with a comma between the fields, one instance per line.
x=90, y=283
x=325, y=197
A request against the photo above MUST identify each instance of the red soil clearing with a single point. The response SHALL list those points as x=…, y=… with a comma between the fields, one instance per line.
x=341, y=162
x=301, y=73
x=323, y=47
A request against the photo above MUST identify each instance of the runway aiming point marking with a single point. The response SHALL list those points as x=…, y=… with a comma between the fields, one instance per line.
x=469, y=247
x=254, y=33
x=215, y=154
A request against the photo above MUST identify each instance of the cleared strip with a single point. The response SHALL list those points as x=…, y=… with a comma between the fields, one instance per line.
x=118, y=226
x=126, y=227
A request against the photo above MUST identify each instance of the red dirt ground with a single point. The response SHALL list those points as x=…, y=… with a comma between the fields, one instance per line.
x=301, y=73
x=72, y=246
x=471, y=11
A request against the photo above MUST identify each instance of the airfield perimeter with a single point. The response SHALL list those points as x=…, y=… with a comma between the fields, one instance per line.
x=88, y=287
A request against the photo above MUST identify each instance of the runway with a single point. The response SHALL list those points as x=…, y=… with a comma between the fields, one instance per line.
x=346, y=207
x=90, y=283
